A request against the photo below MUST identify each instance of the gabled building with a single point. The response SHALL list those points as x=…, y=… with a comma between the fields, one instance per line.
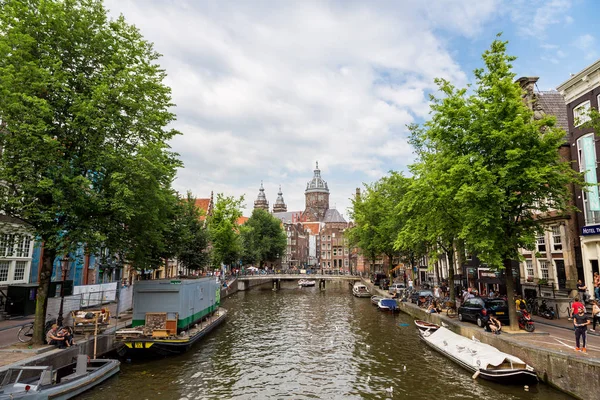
x=551, y=269
x=582, y=92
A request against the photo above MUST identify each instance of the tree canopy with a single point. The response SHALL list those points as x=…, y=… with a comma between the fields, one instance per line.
x=85, y=113
x=224, y=231
x=263, y=238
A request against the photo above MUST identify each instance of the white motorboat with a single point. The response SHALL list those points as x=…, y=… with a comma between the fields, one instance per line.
x=360, y=290
x=306, y=283
x=45, y=382
x=375, y=300
x=388, y=305
x=486, y=361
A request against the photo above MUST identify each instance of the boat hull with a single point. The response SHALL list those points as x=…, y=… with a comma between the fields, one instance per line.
x=505, y=377
x=71, y=388
x=148, y=347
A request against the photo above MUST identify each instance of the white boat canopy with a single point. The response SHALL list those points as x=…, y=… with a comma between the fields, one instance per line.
x=477, y=354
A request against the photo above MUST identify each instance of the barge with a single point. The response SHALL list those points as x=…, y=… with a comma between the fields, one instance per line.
x=170, y=316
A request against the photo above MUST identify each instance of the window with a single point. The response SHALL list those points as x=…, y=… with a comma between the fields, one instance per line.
x=4, y=265
x=544, y=269
x=541, y=243
x=20, y=270
x=346, y=262
x=334, y=252
x=346, y=251
x=556, y=240
x=580, y=113
x=529, y=267
x=6, y=245
x=586, y=156
x=329, y=238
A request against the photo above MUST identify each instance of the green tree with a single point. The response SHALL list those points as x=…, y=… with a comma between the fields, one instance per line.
x=378, y=218
x=224, y=231
x=193, y=237
x=80, y=96
x=263, y=238
x=506, y=167
x=363, y=234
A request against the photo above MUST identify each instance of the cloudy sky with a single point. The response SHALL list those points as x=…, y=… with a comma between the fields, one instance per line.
x=266, y=88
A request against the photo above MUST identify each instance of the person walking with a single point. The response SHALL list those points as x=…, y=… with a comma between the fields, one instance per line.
x=580, y=321
x=595, y=315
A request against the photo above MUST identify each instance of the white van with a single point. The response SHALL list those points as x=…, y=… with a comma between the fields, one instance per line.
x=397, y=287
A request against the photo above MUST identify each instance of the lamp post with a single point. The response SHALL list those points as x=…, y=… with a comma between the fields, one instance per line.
x=64, y=263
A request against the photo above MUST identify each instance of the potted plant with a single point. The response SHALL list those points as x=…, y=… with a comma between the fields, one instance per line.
x=542, y=281
x=530, y=279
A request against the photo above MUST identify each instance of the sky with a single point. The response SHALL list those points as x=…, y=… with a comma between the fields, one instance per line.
x=264, y=89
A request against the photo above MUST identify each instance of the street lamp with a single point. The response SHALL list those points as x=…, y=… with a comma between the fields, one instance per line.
x=64, y=263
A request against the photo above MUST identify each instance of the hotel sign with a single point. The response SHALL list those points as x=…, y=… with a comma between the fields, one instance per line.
x=590, y=230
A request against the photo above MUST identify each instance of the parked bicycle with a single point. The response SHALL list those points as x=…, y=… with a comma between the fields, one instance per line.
x=25, y=334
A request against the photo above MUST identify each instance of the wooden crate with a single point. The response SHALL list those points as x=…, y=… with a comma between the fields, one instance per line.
x=160, y=333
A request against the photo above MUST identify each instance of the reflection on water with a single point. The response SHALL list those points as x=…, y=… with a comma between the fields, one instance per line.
x=303, y=343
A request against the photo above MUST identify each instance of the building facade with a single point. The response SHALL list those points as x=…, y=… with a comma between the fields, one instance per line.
x=551, y=269
x=582, y=92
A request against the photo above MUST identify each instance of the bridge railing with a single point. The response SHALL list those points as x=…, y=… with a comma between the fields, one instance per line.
x=307, y=273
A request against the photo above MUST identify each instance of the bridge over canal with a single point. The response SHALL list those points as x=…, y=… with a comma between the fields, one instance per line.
x=244, y=282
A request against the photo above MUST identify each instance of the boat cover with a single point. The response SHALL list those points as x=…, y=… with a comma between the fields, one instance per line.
x=390, y=303
x=478, y=355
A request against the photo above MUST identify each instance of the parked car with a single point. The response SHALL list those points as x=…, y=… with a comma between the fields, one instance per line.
x=419, y=296
x=478, y=309
x=397, y=287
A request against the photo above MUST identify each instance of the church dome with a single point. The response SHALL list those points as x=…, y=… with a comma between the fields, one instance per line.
x=317, y=184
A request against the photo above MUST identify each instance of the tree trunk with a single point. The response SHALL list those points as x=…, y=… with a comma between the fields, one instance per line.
x=451, y=275
x=510, y=295
x=42, y=295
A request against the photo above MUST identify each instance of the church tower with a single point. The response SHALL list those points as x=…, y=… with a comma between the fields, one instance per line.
x=316, y=198
x=261, y=200
x=279, y=205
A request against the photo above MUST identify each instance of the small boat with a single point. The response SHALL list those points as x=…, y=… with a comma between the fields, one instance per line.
x=375, y=300
x=388, y=305
x=425, y=326
x=360, y=290
x=45, y=382
x=306, y=283
x=484, y=360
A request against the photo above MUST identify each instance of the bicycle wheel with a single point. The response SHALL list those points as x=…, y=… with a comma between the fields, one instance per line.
x=451, y=312
x=25, y=333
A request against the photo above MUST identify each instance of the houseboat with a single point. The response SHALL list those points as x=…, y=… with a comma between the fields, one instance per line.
x=170, y=315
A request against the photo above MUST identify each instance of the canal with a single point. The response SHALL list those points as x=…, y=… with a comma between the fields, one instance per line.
x=303, y=343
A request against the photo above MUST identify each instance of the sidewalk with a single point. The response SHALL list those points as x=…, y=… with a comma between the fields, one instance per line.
x=13, y=351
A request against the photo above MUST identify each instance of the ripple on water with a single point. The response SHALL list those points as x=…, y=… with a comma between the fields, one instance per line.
x=306, y=344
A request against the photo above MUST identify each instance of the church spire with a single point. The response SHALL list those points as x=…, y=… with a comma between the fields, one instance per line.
x=279, y=205
x=261, y=201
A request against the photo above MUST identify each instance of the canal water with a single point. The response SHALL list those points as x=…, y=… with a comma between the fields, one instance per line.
x=303, y=343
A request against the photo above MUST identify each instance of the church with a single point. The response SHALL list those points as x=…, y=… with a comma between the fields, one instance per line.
x=315, y=235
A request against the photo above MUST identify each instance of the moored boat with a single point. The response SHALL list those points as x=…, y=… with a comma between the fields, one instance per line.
x=388, y=305
x=45, y=382
x=360, y=290
x=486, y=361
x=375, y=300
x=306, y=283
x=169, y=316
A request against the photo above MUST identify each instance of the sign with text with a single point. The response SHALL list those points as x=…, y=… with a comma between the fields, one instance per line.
x=590, y=230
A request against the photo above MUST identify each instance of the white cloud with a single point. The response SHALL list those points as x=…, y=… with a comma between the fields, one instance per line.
x=263, y=89
x=587, y=44
x=534, y=16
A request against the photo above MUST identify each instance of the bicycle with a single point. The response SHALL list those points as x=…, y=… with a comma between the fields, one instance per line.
x=25, y=334
x=451, y=309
